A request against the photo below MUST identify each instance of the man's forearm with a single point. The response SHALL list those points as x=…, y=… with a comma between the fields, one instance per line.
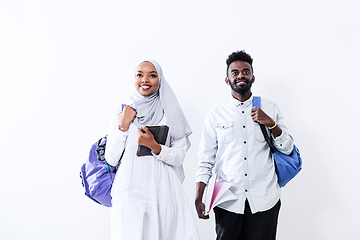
x=200, y=186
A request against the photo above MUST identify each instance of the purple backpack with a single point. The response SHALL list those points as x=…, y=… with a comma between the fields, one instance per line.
x=97, y=175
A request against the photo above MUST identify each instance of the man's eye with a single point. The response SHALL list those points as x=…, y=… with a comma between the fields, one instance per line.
x=246, y=72
x=234, y=73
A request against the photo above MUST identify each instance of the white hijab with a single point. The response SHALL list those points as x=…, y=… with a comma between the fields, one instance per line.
x=151, y=109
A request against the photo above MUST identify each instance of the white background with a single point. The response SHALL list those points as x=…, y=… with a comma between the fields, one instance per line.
x=65, y=65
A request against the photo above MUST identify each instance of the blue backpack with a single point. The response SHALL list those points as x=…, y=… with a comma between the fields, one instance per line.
x=97, y=175
x=286, y=166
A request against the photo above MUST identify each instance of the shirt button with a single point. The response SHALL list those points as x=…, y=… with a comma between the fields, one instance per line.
x=242, y=103
x=243, y=126
x=244, y=142
x=245, y=158
x=245, y=190
x=245, y=174
x=243, y=111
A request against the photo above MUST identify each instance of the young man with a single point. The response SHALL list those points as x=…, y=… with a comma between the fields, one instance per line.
x=233, y=146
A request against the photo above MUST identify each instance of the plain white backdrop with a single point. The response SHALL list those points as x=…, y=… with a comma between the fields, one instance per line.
x=65, y=65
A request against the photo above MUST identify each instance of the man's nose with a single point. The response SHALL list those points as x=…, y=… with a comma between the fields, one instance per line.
x=241, y=75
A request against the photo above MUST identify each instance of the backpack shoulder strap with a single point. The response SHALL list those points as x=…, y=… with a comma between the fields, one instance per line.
x=257, y=104
x=117, y=165
x=267, y=138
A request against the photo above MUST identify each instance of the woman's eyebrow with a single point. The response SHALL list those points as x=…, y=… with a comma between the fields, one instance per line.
x=149, y=72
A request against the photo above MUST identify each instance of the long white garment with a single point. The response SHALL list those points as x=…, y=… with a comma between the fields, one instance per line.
x=148, y=199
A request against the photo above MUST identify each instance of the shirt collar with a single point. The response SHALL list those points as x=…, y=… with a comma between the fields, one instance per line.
x=237, y=103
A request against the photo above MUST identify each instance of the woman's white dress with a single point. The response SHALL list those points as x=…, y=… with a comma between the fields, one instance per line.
x=148, y=199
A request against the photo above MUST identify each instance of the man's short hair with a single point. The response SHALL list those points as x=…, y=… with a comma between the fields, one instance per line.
x=239, y=56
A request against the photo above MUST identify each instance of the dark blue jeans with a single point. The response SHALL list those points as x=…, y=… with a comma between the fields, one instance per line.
x=247, y=226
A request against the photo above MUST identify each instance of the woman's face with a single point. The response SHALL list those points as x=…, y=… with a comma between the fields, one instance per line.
x=146, y=79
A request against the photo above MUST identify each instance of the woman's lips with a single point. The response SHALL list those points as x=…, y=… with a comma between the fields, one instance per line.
x=145, y=87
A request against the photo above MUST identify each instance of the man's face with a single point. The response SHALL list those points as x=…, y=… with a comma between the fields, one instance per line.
x=240, y=77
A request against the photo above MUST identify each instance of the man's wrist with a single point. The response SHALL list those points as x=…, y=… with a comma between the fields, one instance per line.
x=272, y=126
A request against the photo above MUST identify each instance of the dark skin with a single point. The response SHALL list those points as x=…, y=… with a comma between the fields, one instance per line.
x=145, y=139
x=146, y=83
x=240, y=78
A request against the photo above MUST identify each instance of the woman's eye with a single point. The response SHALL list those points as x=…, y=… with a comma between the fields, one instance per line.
x=153, y=76
x=138, y=75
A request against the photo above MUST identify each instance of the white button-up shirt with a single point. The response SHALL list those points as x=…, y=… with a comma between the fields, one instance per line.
x=233, y=146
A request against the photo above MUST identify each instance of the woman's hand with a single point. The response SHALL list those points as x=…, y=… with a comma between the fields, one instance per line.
x=126, y=117
x=146, y=138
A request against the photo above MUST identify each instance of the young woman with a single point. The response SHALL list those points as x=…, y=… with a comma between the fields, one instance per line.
x=148, y=199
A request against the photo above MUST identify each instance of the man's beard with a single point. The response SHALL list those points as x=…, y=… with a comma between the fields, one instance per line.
x=243, y=89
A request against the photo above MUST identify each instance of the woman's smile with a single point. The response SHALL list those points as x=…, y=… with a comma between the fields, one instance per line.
x=145, y=87
x=146, y=79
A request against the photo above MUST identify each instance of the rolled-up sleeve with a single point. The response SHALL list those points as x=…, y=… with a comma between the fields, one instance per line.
x=207, y=151
x=283, y=143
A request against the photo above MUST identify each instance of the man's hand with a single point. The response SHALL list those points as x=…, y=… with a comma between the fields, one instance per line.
x=200, y=209
x=199, y=205
x=259, y=116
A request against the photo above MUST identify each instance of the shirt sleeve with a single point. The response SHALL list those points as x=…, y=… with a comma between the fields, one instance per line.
x=115, y=141
x=175, y=154
x=207, y=151
x=283, y=143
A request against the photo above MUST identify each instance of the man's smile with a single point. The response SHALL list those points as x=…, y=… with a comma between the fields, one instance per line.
x=241, y=82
